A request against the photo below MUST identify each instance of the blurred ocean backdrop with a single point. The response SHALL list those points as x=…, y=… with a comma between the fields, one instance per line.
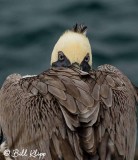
x=29, y=30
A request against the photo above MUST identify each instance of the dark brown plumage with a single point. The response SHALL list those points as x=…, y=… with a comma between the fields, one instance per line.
x=70, y=114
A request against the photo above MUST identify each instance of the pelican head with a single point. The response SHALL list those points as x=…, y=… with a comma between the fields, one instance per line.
x=73, y=47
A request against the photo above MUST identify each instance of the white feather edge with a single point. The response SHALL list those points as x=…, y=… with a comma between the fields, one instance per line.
x=26, y=76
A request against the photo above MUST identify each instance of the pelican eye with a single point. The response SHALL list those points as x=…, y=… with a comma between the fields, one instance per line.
x=61, y=56
x=87, y=58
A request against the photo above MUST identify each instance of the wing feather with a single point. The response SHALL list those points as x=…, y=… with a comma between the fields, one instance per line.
x=69, y=111
x=116, y=120
x=37, y=105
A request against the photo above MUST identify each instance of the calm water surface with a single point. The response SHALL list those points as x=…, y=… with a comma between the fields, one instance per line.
x=30, y=28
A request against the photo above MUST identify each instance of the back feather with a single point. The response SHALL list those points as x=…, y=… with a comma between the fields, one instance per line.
x=136, y=88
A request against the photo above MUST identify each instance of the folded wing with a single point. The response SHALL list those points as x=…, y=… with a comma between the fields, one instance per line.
x=69, y=114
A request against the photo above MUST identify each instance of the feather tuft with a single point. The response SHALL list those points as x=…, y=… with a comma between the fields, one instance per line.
x=80, y=28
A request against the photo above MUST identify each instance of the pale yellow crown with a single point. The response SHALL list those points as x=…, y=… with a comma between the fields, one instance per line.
x=75, y=47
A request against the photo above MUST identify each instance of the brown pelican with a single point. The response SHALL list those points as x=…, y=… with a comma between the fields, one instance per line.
x=70, y=112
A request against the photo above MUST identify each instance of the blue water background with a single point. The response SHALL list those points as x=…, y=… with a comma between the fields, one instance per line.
x=30, y=28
